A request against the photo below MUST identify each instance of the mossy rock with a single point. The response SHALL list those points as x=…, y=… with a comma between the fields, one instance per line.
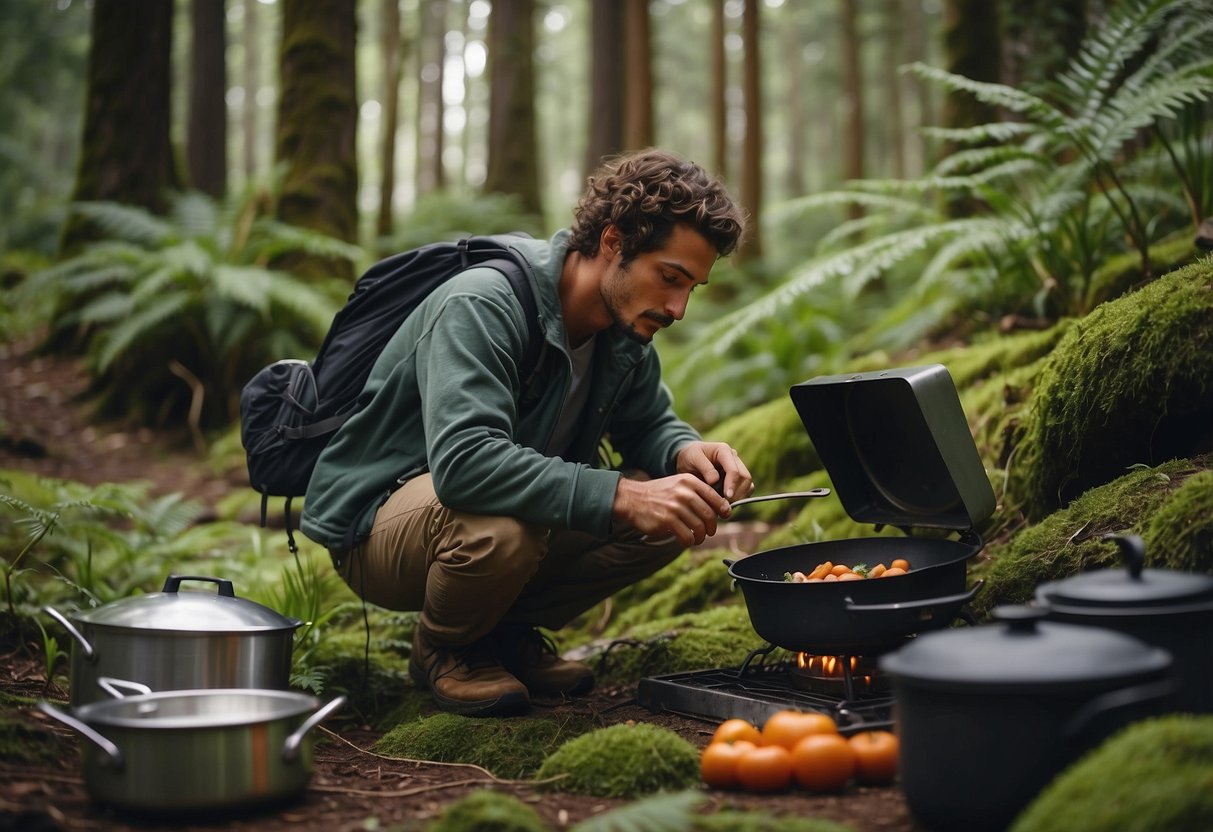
x=719, y=637
x=701, y=584
x=1153, y=502
x=1131, y=383
x=489, y=811
x=734, y=821
x=1122, y=272
x=1154, y=775
x=772, y=441
x=623, y=761
x=510, y=747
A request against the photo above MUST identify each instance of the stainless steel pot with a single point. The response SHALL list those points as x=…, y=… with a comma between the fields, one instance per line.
x=987, y=716
x=1163, y=607
x=197, y=750
x=172, y=640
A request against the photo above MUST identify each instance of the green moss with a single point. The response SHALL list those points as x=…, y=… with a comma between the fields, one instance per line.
x=624, y=761
x=734, y=821
x=699, y=585
x=374, y=687
x=489, y=811
x=1068, y=541
x=1180, y=534
x=772, y=441
x=1130, y=383
x=511, y=747
x=1121, y=272
x=1153, y=775
x=23, y=743
x=718, y=637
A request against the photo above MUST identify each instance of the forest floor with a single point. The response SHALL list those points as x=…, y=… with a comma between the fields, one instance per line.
x=46, y=431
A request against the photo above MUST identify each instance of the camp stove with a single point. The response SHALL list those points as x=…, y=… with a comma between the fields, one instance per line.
x=849, y=689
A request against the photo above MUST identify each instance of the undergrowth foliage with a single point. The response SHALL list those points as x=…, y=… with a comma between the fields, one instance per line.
x=1115, y=155
x=175, y=313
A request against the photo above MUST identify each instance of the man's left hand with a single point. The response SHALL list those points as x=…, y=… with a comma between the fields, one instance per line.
x=716, y=463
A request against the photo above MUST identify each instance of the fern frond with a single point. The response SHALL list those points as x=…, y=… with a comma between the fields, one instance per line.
x=1119, y=122
x=248, y=286
x=999, y=95
x=659, y=813
x=195, y=214
x=273, y=238
x=127, y=222
x=141, y=324
x=864, y=193
x=998, y=131
x=857, y=228
x=103, y=309
x=303, y=300
x=978, y=159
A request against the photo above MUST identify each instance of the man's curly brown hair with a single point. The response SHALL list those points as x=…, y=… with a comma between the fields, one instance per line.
x=645, y=195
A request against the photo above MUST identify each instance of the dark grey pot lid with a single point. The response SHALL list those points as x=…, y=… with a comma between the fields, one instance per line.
x=188, y=612
x=1133, y=586
x=1023, y=653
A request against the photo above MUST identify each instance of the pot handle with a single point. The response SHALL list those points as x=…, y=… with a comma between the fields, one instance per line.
x=113, y=755
x=1114, y=701
x=1132, y=552
x=114, y=686
x=924, y=603
x=787, y=495
x=89, y=652
x=290, y=748
x=173, y=583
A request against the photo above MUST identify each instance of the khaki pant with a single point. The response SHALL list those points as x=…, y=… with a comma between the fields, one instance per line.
x=468, y=572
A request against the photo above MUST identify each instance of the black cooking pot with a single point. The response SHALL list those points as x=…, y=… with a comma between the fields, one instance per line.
x=1169, y=609
x=856, y=617
x=987, y=716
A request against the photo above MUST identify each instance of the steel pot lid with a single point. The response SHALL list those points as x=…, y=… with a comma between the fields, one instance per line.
x=188, y=612
x=191, y=709
x=897, y=447
x=1128, y=588
x=1022, y=653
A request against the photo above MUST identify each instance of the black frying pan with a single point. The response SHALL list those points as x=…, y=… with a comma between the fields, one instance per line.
x=856, y=617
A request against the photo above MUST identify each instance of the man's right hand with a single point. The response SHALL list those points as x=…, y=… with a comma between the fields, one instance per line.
x=682, y=505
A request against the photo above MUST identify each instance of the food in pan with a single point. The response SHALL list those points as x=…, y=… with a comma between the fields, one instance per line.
x=827, y=572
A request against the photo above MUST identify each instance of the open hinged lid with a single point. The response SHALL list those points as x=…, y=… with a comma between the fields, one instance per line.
x=897, y=447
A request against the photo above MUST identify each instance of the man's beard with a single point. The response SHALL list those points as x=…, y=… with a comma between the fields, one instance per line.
x=628, y=328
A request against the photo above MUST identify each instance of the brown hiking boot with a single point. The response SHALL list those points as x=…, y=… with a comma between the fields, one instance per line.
x=531, y=656
x=466, y=680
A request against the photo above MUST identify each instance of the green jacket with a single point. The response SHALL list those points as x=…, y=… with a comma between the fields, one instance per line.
x=445, y=396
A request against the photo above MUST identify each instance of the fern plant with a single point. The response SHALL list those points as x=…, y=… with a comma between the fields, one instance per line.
x=175, y=313
x=1113, y=155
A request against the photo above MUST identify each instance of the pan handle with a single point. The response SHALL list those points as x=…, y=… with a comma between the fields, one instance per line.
x=114, y=687
x=89, y=652
x=290, y=748
x=921, y=604
x=113, y=755
x=786, y=495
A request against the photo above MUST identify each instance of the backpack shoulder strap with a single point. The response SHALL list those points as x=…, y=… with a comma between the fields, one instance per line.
x=515, y=270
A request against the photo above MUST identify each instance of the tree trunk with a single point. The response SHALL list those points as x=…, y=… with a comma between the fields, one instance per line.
x=972, y=49
x=720, y=112
x=252, y=84
x=751, y=167
x=893, y=121
x=638, y=121
x=852, y=95
x=206, y=144
x=125, y=152
x=606, y=82
x=513, y=163
x=917, y=50
x=390, y=113
x=431, y=61
x=317, y=122
x=794, y=74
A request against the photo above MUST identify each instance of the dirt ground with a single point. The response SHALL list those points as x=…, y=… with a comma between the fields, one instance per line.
x=44, y=431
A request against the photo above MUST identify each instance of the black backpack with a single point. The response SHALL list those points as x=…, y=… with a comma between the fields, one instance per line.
x=290, y=410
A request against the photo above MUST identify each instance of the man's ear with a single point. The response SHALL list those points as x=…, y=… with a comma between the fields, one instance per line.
x=611, y=241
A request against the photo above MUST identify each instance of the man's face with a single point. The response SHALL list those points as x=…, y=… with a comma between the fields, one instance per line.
x=652, y=291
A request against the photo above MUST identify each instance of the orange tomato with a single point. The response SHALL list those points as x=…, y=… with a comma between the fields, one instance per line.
x=823, y=762
x=900, y=563
x=767, y=768
x=875, y=756
x=718, y=764
x=732, y=730
x=786, y=728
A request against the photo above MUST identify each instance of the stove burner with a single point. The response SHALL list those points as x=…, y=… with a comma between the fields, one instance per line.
x=756, y=690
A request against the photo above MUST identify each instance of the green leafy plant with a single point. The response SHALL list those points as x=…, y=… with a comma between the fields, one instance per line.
x=1112, y=156
x=444, y=215
x=175, y=313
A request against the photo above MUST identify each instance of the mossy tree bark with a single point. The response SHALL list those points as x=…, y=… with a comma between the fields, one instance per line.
x=973, y=49
x=317, y=124
x=751, y=157
x=638, y=109
x=125, y=154
x=513, y=163
x=606, y=84
x=206, y=143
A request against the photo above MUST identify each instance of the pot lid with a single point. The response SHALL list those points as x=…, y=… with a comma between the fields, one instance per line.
x=897, y=447
x=1023, y=653
x=188, y=612
x=1133, y=586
